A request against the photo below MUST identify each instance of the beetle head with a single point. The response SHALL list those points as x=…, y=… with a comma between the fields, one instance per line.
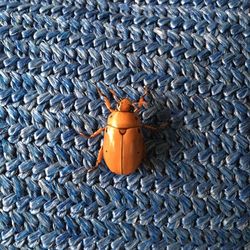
x=125, y=105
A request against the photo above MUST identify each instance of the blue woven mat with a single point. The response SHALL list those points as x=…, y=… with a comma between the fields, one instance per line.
x=192, y=191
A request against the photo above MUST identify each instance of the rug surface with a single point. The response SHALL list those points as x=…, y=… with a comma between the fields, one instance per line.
x=192, y=190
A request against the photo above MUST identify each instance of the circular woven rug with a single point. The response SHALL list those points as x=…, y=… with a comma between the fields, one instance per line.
x=192, y=190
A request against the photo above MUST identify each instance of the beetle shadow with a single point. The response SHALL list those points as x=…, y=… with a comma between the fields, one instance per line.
x=158, y=142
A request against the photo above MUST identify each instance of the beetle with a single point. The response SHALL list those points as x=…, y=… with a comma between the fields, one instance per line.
x=123, y=146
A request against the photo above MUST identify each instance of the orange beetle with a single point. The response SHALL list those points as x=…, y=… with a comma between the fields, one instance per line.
x=123, y=145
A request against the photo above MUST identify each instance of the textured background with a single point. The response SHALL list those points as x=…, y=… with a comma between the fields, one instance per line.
x=193, y=190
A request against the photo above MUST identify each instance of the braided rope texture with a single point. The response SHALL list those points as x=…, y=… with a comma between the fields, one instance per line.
x=192, y=191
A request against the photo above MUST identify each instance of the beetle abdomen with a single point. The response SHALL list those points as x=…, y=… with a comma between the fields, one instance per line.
x=123, y=149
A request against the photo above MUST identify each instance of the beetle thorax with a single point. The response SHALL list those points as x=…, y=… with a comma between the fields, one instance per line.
x=125, y=105
x=118, y=119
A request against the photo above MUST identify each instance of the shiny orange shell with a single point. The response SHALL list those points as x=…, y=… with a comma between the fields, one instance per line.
x=123, y=145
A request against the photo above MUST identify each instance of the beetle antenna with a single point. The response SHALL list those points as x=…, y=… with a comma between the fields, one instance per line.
x=145, y=91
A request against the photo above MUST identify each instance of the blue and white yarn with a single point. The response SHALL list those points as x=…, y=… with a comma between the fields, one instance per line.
x=192, y=191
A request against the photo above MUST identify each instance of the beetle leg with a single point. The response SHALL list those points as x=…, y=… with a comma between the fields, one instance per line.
x=97, y=132
x=164, y=125
x=141, y=101
x=114, y=95
x=150, y=127
x=98, y=160
x=106, y=100
x=99, y=157
x=107, y=103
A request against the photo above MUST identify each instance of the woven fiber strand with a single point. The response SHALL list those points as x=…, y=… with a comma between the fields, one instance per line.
x=192, y=191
